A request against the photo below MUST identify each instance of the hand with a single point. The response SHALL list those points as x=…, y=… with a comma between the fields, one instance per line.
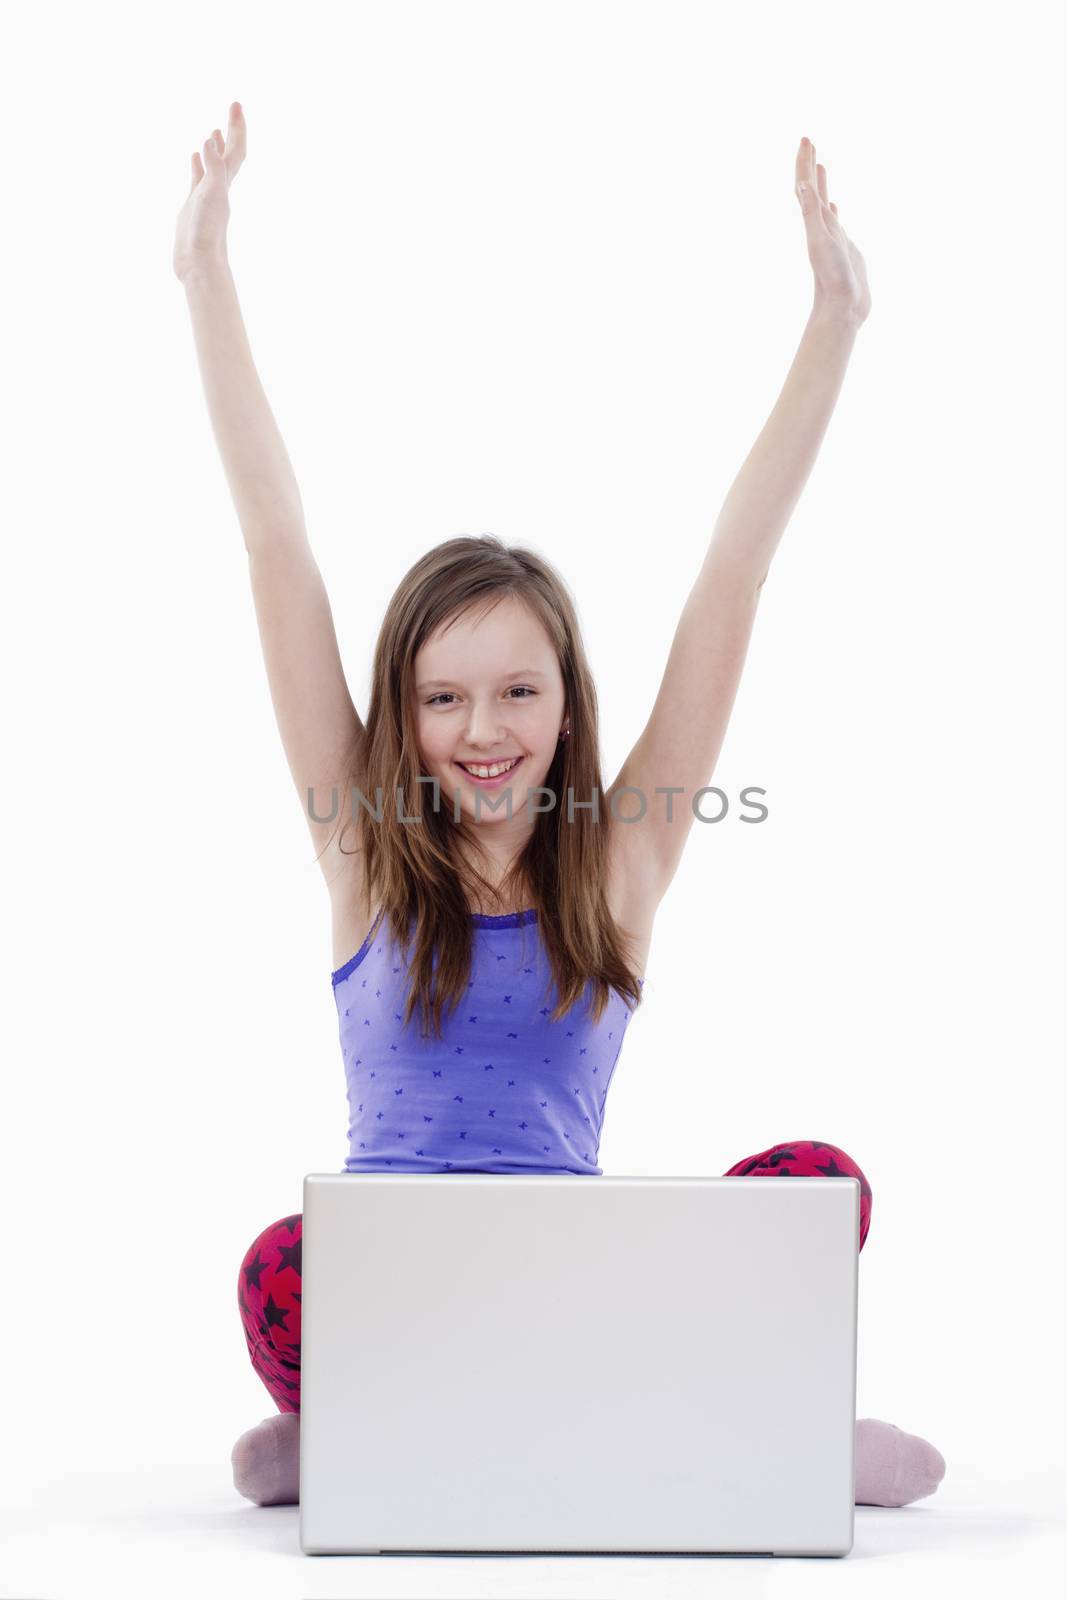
x=201, y=232
x=840, y=271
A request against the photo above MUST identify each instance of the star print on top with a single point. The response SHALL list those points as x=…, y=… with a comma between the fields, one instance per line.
x=505, y=1089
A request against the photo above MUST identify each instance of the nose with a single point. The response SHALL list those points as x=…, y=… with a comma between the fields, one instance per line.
x=483, y=730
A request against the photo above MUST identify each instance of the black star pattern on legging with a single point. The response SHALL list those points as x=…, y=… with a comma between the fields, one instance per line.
x=274, y=1315
x=832, y=1170
x=254, y=1270
x=291, y=1256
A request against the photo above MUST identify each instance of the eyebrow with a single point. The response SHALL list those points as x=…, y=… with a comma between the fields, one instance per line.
x=447, y=683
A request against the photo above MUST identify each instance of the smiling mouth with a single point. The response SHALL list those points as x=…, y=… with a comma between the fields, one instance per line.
x=496, y=777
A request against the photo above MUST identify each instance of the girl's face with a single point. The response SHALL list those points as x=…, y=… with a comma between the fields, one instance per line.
x=488, y=688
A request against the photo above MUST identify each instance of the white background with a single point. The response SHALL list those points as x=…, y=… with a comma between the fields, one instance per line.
x=538, y=271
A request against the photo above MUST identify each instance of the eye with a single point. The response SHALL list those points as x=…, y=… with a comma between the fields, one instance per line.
x=445, y=695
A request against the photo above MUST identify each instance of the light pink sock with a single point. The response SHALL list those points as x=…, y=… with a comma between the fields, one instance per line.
x=266, y=1461
x=893, y=1468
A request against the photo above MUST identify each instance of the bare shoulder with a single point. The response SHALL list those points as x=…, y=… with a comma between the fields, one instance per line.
x=633, y=896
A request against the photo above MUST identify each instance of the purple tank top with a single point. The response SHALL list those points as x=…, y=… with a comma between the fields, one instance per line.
x=505, y=1089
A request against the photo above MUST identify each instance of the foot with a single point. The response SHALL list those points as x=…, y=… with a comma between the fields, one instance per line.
x=266, y=1461
x=894, y=1468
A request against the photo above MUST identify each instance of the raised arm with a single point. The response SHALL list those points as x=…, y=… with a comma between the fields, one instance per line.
x=680, y=743
x=320, y=729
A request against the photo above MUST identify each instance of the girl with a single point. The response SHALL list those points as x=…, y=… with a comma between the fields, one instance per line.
x=500, y=888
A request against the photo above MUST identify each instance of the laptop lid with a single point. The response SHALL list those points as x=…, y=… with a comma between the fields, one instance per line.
x=557, y=1363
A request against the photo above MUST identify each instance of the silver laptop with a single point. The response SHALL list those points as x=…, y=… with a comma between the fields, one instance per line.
x=549, y=1363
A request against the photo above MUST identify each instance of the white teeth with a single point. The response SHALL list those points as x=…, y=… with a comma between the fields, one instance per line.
x=488, y=772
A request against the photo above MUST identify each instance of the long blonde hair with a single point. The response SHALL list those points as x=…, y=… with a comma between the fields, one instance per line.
x=415, y=871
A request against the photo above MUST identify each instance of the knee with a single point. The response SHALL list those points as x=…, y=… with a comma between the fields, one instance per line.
x=810, y=1158
x=830, y=1161
x=285, y=1231
x=811, y=1155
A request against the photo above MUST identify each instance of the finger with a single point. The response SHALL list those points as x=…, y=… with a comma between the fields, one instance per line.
x=801, y=172
x=220, y=141
x=820, y=178
x=212, y=159
x=198, y=171
x=805, y=174
x=235, y=138
x=235, y=132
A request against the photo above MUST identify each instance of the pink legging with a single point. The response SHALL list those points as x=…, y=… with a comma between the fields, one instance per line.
x=268, y=1286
